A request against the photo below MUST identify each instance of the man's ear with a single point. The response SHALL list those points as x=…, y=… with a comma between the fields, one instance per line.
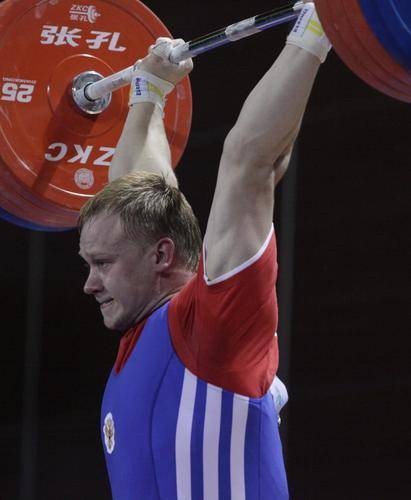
x=164, y=254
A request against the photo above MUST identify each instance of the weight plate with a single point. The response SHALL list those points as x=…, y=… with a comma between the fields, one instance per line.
x=23, y=223
x=13, y=185
x=345, y=40
x=374, y=58
x=52, y=149
x=378, y=52
x=31, y=209
x=24, y=203
x=390, y=21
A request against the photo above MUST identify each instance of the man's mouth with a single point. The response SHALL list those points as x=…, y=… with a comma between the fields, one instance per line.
x=106, y=303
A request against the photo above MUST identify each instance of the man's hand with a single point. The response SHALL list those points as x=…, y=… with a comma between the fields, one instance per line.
x=157, y=61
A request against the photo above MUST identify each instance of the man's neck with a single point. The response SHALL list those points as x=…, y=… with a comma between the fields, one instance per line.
x=172, y=283
x=168, y=285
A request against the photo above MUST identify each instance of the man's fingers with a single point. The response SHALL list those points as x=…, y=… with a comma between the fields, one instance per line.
x=162, y=48
x=177, y=42
x=186, y=65
x=158, y=63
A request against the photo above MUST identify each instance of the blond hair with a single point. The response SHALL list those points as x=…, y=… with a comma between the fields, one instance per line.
x=149, y=209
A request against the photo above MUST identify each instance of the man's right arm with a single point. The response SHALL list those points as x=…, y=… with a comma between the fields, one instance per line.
x=143, y=144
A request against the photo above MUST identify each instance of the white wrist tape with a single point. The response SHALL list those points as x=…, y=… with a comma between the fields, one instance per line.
x=146, y=87
x=308, y=33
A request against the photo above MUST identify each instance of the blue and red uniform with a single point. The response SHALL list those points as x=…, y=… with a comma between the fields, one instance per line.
x=187, y=412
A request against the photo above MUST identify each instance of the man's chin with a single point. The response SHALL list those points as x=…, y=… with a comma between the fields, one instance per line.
x=112, y=326
x=115, y=325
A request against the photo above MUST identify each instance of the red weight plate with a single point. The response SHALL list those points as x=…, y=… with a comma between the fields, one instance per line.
x=22, y=208
x=370, y=51
x=31, y=206
x=378, y=55
x=35, y=207
x=51, y=148
x=350, y=49
x=8, y=179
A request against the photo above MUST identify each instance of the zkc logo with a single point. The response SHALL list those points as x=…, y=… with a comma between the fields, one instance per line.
x=84, y=13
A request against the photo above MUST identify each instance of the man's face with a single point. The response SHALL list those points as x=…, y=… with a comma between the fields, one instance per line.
x=121, y=275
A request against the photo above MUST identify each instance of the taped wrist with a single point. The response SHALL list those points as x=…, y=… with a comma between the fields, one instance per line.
x=308, y=33
x=146, y=87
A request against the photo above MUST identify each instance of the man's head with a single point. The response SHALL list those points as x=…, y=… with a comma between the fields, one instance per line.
x=134, y=234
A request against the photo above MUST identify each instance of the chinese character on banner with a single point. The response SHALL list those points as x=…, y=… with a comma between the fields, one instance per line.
x=101, y=37
x=63, y=36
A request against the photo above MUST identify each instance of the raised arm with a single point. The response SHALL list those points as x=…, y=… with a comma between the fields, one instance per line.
x=258, y=148
x=143, y=143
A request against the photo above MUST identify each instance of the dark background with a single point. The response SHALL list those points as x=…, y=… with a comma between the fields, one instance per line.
x=346, y=429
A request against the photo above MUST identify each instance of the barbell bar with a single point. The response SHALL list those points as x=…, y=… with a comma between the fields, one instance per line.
x=97, y=94
x=94, y=97
x=53, y=157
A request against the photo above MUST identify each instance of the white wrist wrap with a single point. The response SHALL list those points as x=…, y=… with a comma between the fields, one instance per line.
x=146, y=87
x=308, y=33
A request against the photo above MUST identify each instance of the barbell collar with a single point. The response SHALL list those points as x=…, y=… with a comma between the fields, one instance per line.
x=79, y=90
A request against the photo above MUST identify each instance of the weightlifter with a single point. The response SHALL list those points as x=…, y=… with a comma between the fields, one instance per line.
x=187, y=411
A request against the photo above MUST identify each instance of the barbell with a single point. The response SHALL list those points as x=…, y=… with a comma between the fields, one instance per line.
x=62, y=96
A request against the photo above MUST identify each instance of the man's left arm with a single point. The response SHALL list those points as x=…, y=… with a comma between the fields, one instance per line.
x=256, y=152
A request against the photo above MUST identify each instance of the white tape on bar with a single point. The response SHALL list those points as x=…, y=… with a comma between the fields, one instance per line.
x=241, y=29
x=109, y=84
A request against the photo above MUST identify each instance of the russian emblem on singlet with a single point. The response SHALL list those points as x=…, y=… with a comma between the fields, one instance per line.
x=109, y=433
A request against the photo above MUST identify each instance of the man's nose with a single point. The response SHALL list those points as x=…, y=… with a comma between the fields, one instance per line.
x=93, y=283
